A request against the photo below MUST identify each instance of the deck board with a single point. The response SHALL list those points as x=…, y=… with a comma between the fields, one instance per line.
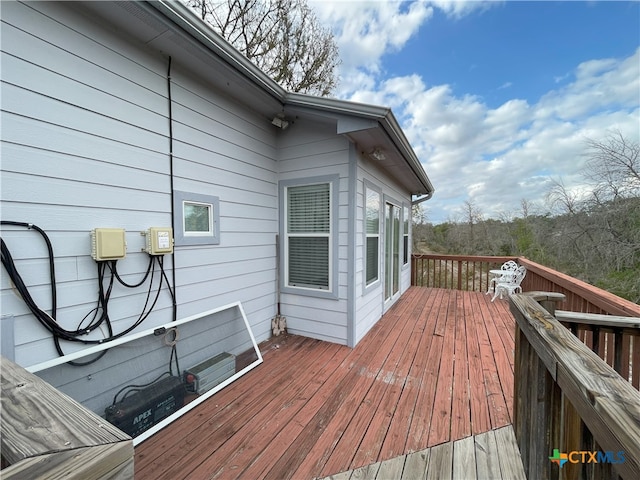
x=438, y=367
x=490, y=455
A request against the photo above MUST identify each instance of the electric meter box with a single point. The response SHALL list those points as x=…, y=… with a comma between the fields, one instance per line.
x=108, y=244
x=159, y=240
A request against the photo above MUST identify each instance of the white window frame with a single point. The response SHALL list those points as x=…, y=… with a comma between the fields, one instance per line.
x=370, y=188
x=330, y=291
x=197, y=233
x=406, y=226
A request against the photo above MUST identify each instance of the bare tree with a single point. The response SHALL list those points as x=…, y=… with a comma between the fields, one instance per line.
x=613, y=167
x=561, y=199
x=281, y=37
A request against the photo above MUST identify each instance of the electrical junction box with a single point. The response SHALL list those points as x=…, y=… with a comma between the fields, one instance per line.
x=108, y=244
x=211, y=372
x=159, y=240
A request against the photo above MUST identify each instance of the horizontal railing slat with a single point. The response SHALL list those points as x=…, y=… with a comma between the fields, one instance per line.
x=608, y=321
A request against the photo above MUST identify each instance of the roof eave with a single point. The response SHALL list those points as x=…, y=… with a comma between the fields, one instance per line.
x=182, y=16
x=186, y=19
x=383, y=115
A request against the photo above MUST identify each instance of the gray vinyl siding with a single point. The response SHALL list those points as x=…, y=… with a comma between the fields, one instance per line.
x=223, y=150
x=306, y=151
x=370, y=300
x=85, y=144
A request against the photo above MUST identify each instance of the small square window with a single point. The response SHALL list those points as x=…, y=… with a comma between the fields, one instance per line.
x=197, y=219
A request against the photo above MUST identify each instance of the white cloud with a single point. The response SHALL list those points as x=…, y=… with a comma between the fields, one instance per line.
x=366, y=30
x=493, y=156
x=497, y=157
x=460, y=8
x=599, y=84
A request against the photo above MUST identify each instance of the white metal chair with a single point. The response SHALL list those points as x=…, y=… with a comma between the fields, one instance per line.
x=509, y=266
x=510, y=285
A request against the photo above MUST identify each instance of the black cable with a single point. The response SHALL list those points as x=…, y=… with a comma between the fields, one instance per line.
x=171, y=179
x=49, y=320
x=114, y=270
x=169, y=286
x=136, y=387
x=52, y=268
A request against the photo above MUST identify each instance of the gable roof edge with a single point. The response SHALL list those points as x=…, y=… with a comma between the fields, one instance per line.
x=385, y=118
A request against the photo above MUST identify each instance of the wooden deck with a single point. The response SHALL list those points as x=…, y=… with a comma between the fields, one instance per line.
x=491, y=455
x=437, y=368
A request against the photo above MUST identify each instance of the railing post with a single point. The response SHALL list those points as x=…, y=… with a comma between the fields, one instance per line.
x=617, y=350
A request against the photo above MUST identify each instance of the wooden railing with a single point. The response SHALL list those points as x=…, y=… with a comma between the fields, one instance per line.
x=615, y=340
x=46, y=434
x=457, y=272
x=569, y=402
x=580, y=296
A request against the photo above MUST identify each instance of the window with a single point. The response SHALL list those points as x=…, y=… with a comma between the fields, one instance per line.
x=372, y=234
x=197, y=219
x=308, y=236
x=405, y=234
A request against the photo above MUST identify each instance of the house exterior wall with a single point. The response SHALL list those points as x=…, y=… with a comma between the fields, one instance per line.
x=309, y=151
x=370, y=300
x=95, y=135
x=85, y=132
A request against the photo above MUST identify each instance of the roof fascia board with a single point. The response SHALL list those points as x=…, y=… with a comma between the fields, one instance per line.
x=182, y=16
x=344, y=107
x=382, y=115
x=400, y=140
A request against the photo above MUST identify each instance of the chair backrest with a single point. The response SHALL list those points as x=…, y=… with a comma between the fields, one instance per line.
x=509, y=265
x=521, y=271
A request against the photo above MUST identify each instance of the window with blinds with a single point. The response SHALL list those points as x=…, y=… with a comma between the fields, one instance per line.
x=372, y=229
x=405, y=236
x=308, y=236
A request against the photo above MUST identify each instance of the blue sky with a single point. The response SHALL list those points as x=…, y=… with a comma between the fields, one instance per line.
x=497, y=98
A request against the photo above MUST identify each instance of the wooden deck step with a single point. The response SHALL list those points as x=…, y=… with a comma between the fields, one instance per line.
x=493, y=454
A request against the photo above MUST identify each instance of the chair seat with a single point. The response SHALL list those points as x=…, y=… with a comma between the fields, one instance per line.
x=510, y=285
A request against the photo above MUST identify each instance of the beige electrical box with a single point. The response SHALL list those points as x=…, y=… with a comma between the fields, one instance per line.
x=108, y=244
x=159, y=240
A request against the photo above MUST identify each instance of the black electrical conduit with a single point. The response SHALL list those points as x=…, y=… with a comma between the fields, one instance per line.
x=49, y=320
x=173, y=226
x=100, y=312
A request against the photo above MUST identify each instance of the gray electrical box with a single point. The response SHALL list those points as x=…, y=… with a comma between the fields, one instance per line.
x=206, y=375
